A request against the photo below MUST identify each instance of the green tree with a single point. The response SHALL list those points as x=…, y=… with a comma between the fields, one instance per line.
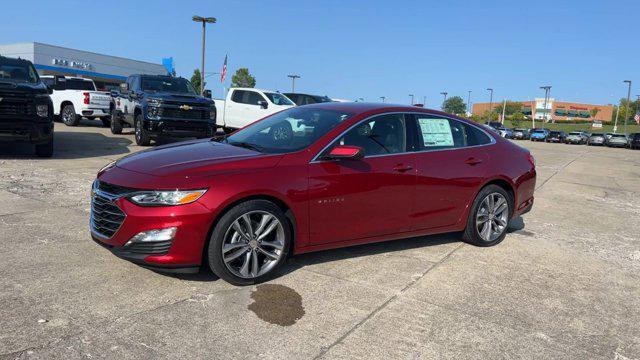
x=517, y=119
x=243, y=78
x=454, y=105
x=510, y=108
x=475, y=117
x=594, y=112
x=491, y=116
x=195, y=80
x=633, y=106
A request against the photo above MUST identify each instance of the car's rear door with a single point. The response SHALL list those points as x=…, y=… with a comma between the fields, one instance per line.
x=355, y=199
x=451, y=164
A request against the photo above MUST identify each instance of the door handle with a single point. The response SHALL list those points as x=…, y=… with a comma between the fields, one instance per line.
x=472, y=161
x=402, y=168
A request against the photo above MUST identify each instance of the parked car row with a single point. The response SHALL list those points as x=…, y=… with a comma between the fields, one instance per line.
x=631, y=141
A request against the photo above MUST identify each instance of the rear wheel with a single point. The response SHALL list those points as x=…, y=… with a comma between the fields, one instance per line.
x=116, y=124
x=69, y=116
x=489, y=217
x=142, y=136
x=249, y=243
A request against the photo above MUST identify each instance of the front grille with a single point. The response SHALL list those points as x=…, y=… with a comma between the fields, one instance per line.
x=114, y=189
x=106, y=216
x=15, y=107
x=183, y=114
x=149, y=248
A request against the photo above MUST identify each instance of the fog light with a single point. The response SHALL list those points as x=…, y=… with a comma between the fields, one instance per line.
x=42, y=110
x=153, y=236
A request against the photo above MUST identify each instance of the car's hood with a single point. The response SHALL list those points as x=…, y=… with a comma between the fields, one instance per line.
x=196, y=158
x=22, y=88
x=164, y=95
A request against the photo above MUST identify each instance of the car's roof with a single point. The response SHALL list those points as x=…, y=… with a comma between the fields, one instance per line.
x=9, y=60
x=304, y=94
x=66, y=77
x=363, y=107
x=255, y=89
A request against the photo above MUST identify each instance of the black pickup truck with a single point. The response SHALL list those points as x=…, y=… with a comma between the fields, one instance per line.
x=162, y=106
x=26, y=111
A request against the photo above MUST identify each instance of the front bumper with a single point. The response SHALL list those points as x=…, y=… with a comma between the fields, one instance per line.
x=617, y=144
x=183, y=253
x=26, y=131
x=180, y=128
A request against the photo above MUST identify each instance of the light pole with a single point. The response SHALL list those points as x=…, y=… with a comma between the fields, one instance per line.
x=204, y=21
x=469, y=103
x=444, y=93
x=626, y=113
x=490, y=102
x=411, y=95
x=383, y=98
x=546, y=89
x=293, y=82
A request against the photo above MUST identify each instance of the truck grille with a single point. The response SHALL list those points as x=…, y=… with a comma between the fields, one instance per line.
x=15, y=107
x=106, y=216
x=184, y=114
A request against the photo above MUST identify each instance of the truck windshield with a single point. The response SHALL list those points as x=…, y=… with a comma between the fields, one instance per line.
x=76, y=84
x=167, y=84
x=287, y=131
x=17, y=71
x=278, y=99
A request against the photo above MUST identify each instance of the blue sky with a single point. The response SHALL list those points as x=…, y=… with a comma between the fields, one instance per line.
x=351, y=49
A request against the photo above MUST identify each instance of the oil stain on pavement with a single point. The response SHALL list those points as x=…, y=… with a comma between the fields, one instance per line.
x=277, y=304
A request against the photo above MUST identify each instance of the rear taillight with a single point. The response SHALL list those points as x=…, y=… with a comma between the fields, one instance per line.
x=531, y=159
x=86, y=98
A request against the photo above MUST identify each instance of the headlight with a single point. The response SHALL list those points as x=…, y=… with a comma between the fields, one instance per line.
x=166, y=198
x=42, y=110
x=154, y=102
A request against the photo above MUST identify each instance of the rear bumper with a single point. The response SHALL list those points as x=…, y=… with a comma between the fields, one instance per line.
x=180, y=128
x=26, y=131
x=97, y=112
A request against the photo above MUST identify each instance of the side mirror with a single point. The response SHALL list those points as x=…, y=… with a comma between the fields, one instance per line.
x=263, y=104
x=346, y=152
x=207, y=94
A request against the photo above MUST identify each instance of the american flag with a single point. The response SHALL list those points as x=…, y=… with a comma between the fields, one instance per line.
x=223, y=74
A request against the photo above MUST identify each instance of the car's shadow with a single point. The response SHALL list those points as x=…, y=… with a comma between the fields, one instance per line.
x=300, y=261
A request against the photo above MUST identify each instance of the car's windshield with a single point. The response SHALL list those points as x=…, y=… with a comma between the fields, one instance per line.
x=287, y=131
x=575, y=133
x=77, y=84
x=168, y=84
x=17, y=71
x=618, y=136
x=278, y=99
x=596, y=134
x=554, y=133
x=322, y=99
x=538, y=132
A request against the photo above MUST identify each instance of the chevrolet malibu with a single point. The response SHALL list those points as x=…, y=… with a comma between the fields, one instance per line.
x=310, y=178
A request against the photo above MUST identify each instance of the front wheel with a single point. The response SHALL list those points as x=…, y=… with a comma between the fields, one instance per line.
x=489, y=217
x=142, y=136
x=249, y=243
x=69, y=116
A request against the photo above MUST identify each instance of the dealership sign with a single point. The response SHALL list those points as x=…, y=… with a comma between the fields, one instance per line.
x=72, y=64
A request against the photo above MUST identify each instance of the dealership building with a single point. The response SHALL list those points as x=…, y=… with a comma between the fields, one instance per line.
x=107, y=71
x=554, y=110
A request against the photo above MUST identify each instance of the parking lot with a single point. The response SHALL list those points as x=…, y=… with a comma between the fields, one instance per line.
x=565, y=283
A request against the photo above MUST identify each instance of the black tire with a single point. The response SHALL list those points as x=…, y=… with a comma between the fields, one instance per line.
x=45, y=150
x=116, y=124
x=225, y=224
x=142, y=136
x=106, y=121
x=471, y=234
x=69, y=116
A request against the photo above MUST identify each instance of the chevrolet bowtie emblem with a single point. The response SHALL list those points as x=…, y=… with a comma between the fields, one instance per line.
x=185, y=107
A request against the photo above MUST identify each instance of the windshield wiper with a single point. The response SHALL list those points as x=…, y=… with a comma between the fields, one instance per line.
x=246, y=145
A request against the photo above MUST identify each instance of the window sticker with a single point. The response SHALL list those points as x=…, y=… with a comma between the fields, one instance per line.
x=436, y=132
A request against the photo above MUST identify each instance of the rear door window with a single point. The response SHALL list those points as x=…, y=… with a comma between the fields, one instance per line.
x=435, y=133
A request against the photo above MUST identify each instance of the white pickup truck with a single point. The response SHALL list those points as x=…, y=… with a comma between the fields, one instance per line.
x=244, y=106
x=74, y=98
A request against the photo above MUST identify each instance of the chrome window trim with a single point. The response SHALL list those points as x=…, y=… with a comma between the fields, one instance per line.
x=491, y=142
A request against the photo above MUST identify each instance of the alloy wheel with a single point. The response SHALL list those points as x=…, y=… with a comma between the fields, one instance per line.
x=492, y=217
x=138, y=130
x=253, y=244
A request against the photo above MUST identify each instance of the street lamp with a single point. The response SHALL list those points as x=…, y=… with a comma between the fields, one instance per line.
x=383, y=98
x=626, y=113
x=490, y=102
x=204, y=21
x=469, y=103
x=411, y=95
x=546, y=89
x=293, y=82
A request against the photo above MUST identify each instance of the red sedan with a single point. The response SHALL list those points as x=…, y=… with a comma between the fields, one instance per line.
x=310, y=178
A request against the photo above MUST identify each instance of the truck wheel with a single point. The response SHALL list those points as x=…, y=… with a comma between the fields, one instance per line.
x=46, y=149
x=69, y=116
x=116, y=125
x=142, y=137
x=106, y=121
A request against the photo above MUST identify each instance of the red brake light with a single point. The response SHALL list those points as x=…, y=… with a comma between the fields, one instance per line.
x=86, y=98
x=531, y=159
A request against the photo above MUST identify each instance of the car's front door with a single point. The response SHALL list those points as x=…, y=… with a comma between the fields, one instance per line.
x=451, y=164
x=355, y=199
